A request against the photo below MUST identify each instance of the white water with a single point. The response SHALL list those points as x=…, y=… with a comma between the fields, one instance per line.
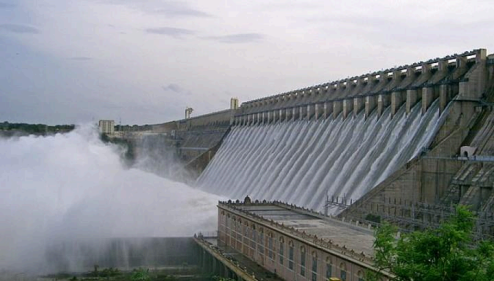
x=73, y=188
x=302, y=162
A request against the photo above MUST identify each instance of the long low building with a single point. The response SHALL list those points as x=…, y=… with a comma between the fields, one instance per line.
x=294, y=243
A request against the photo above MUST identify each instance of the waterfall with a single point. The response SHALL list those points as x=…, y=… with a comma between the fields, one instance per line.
x=302, y=162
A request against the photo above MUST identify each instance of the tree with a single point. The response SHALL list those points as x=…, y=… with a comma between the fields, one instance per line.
x=446, y=253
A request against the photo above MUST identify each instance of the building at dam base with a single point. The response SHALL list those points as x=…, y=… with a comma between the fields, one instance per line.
x=291, y=243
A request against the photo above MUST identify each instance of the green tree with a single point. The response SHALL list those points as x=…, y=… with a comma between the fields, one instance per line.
x=446, y=253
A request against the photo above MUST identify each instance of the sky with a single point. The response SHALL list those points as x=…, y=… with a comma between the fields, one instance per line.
x=144, y=61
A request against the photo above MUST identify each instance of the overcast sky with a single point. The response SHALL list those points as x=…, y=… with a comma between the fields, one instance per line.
x=144, y=61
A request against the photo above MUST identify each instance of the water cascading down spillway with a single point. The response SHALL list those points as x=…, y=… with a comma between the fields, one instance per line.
x=302, y=162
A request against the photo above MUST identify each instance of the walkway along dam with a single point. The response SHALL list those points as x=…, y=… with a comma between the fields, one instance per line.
x=401, y=144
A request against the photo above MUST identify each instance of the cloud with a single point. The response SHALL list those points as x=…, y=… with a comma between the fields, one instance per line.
x=175, y=88
x=237, y=38
x=81, y=58
x=167, y=8
x=19, y=28
x=4, y=5
x=180, y=10
x=170, y=31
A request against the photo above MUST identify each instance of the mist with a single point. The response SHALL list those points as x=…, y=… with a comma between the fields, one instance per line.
x=73, y=187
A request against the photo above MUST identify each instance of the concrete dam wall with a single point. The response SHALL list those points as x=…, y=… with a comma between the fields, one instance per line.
x=303, y=162
x=341, y=139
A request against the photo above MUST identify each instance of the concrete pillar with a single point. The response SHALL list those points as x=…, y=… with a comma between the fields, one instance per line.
x=317, y=108
x=412, y=99
x=288, y=114
x=281, y=114
x=444, y=97
x=347, y=107
x=358, y=105
x=427, y=98
x=337, y=108
x=259, y=118
x=382, y=103
x=397, y=100
x=370, y=104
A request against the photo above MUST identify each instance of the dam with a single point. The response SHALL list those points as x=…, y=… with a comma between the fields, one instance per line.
x=396, y=144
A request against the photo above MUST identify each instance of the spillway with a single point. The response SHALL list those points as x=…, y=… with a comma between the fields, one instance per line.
x=305, y=161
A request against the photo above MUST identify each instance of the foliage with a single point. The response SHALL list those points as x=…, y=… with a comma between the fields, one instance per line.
x=373, y=218
x=445, y=253
x=37, y=129
x=219, y=278
x=140, y=274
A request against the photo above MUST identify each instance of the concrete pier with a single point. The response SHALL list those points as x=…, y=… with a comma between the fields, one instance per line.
x=370, y=105
x=337, y=108
x=317, y=111
x=397, y=100
x=382, y=103
x=427, y=98
x=302, y=112
x=412, y=99
x=311, y=110
x=347, y=107
x=358, y=105
x=328, y=109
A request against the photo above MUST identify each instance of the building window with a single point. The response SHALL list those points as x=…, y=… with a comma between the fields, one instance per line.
x=270, y=246
x=302, y=261
x=254, y=234
x=329, y=267
x=360, y=275
x=290, y=255
x=343, y=272
x=261, y=241
x=239, y=230
x=314, y=266
x=246, y=237
x=282, y=249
